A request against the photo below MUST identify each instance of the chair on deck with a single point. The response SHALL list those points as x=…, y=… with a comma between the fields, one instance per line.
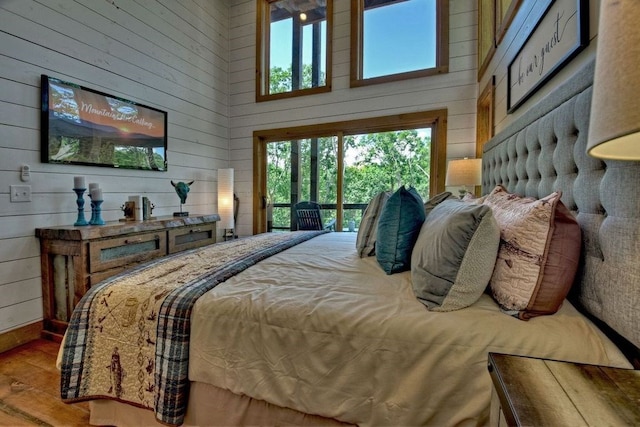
x=308, y=216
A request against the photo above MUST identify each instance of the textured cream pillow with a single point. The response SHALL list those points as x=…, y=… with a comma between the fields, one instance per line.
x=367, y=232
x=539, y=253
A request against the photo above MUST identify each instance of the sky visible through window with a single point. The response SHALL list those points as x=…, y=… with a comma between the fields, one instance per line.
x=281, y=50
x=397, y=38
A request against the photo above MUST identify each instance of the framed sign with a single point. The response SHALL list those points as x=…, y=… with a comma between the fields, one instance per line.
x=83, y=126
x=561, y=33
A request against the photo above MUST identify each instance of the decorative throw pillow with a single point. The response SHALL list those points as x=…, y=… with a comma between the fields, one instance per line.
x=471, y=198
x=366, y=240
x=398, y=228
x=436, y=200
x=454, y=255
x=539, y=253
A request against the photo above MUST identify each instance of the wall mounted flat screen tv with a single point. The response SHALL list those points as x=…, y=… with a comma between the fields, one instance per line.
x=83, y=126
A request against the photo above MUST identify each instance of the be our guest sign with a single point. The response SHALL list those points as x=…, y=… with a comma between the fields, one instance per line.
x=561, y=33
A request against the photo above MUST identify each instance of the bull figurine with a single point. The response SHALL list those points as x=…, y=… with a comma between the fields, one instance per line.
x=182, y=189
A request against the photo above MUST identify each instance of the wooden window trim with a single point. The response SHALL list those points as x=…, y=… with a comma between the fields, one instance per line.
x=486, y=30
x=435, y=119
x=485, y=116
x=442, y=48
x=504, y=18
x=262, y=56
x=500, y=20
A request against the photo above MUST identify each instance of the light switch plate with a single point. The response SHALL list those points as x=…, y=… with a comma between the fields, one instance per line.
x=20, y=193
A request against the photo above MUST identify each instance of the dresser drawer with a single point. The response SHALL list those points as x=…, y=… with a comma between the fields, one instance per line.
x=121, y=251
x=191, y=237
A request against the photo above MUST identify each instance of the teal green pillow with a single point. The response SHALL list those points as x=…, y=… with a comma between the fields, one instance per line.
x=398, y=229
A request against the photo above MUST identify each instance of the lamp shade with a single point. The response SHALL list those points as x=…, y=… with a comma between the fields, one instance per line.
x=225, y=198
x=464, y=172
x=614, y=129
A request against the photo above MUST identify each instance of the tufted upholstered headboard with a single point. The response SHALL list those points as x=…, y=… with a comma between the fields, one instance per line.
x=545, y=150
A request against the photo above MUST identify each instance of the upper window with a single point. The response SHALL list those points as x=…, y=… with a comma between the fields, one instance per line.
x=294, y=45
x=398, y=39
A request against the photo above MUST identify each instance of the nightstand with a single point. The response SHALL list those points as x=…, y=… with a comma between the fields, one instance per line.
x=538, y=392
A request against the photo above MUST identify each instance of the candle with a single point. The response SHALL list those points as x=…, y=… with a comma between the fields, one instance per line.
x=78, y=182
x=138, y=206
x=93, y=185
x=96, y=194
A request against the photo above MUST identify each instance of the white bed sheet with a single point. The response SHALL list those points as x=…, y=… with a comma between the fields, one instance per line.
x=337, y=337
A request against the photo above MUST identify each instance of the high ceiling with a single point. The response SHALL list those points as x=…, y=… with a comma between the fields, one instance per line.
x=314, y=9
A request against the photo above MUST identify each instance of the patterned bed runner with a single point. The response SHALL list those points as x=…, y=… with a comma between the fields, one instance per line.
x=128, y=338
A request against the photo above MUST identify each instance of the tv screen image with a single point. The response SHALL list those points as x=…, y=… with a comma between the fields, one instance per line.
x=89, y=127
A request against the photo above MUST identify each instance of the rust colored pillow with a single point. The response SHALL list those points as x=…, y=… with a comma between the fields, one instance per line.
x=540, y=243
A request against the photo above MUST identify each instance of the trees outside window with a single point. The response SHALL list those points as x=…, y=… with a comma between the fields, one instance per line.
x=372, y=163
x=342, y=165
x=293, y=46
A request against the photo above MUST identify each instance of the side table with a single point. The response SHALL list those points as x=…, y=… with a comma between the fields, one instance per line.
x=539, y=392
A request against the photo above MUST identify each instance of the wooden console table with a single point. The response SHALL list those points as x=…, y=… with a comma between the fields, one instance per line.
x=75, y=258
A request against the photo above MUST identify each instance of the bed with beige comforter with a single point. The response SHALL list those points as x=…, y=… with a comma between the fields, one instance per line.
x=318, y=330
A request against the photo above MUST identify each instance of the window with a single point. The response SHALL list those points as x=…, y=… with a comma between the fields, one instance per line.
x=343, y=165
x=398, y=39
x=293, y=48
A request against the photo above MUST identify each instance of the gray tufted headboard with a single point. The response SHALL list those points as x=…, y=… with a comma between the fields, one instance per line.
x=544, y=151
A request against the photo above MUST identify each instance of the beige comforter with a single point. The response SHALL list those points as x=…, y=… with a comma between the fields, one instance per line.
x=335, y=336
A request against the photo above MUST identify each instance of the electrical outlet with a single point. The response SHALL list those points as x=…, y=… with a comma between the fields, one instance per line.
x=20, y=193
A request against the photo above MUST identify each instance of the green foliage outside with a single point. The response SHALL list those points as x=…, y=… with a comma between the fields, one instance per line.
x=280, y=80
x=373, y=163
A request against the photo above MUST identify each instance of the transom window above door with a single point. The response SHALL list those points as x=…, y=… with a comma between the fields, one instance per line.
x=398, y=39
x=293, y=48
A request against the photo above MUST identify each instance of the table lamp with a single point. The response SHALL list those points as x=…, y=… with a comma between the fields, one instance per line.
x=464, y=172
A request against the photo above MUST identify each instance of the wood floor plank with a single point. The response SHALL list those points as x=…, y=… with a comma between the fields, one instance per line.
x=10, y=418
x=30, y=389
x=46, y=408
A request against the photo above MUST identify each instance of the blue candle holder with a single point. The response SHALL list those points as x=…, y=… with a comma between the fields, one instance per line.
x=80, y=202
x=93, y=210
x=96, y=218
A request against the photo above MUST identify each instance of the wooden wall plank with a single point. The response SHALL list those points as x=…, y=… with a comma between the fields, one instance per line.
x=170, y=55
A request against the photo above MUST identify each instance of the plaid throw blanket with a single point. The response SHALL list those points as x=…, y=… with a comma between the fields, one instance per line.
x=128, y=338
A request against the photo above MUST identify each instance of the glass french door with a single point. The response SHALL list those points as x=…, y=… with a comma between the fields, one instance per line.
x=301, y=170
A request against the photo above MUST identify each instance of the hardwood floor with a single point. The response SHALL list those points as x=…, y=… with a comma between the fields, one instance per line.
x=30, y=389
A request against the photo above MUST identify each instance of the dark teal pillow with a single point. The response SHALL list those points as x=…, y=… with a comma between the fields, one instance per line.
x=398, y=229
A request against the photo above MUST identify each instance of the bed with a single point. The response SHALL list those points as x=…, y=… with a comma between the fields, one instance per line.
x=314, y=334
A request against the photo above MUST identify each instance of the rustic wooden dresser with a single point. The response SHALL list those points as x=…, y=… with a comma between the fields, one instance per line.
x=75, y=258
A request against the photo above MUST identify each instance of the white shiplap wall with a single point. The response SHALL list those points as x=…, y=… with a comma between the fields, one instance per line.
x=455, y=91
x=169, y=54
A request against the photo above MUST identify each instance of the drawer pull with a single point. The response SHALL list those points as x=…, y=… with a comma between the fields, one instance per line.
x=134, y=241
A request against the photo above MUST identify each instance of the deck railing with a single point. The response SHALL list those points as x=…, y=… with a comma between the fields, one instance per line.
x=346, y=207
